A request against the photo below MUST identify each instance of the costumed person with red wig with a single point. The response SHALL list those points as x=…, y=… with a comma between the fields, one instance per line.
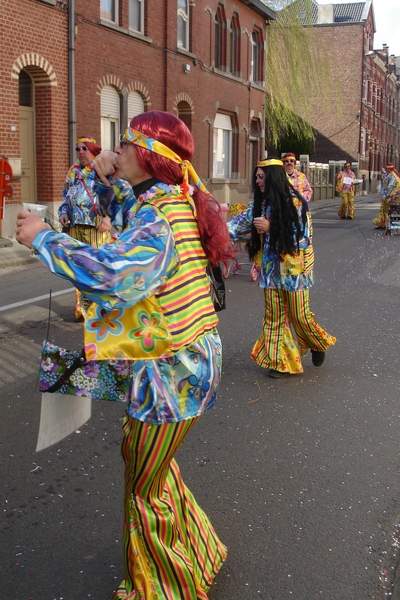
x=152, y=317
x=297, y=178
x=80, y=211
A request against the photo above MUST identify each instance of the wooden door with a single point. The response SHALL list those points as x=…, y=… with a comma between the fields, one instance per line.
x=27, y=147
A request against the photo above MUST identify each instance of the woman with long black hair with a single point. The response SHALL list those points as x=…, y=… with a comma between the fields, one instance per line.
x=277, y=229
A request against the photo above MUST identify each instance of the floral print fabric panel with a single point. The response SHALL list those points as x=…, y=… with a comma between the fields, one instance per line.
x=100, y=380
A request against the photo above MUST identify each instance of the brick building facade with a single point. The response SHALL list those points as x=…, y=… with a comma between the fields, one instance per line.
x=203, y=61
x=361, y=121
x=33, y=101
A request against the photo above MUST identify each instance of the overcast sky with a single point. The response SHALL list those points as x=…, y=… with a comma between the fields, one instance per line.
x=387, y=22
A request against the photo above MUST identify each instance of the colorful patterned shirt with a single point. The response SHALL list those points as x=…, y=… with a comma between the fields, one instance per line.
x=345, y=187
x=292, y=274
x=301, y=184
x=391, y=187
x=163, y=390
x=81, y=196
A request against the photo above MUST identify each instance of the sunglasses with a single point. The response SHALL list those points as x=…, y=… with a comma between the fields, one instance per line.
x=259, y=176
x=123, y=141
x=77, y=149
x=289, y=160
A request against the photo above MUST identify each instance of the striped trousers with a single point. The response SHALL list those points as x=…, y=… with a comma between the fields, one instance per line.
x=171, y=551
x=276, y=347
x=347, y=205
x=92, y=236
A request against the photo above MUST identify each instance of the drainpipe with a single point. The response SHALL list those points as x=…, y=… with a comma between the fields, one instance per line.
x=71, y=80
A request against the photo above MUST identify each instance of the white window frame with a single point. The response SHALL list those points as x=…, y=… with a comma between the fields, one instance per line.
x=139, y=27
x=113, y=18
x=183, y=22
x=255, y=57
x=110, y=105
x=109, y=133
x=366, y=82
x=222, y=147
x=135, y=105
x=363, y=141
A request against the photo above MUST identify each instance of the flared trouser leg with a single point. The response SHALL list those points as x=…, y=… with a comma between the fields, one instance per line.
x=343, y=207
x=382, y=217
x=347, y=205
x=171, y=550
x=308, y=332
x=276, y=347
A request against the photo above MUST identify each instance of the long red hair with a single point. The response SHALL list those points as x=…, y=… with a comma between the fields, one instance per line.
x=172, y=132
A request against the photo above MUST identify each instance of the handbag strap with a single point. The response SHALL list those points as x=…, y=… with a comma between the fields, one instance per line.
x=78, y=362
x=80, y=178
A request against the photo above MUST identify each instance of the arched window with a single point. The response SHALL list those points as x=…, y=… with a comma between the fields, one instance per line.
x=185, y=114
x=183, y=24
x=257, y=57
x=135, y=105
x=220, y=38
x=110, y=117
x=235, y=45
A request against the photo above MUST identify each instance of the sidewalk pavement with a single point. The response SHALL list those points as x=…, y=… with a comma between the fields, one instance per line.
x=12, y=254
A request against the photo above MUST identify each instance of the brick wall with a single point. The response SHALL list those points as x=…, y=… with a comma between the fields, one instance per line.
x=335, y=114
x=33, y=36
x=116, y=54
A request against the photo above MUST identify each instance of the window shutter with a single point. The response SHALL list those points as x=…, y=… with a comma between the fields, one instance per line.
x=222, y=122
x=135, y=105
x=110, y=102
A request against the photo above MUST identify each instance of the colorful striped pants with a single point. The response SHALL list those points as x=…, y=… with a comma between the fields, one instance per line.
x=383, y=214
x=171, y=549
x=92, y=236
x=276, y=347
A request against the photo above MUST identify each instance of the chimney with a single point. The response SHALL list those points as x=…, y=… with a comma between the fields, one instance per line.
x=325, y=13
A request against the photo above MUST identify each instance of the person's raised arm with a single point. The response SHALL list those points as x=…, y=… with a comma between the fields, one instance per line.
x=104, y=166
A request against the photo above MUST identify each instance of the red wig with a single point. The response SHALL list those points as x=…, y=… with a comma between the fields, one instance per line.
x=172, y=132
x=90, y=144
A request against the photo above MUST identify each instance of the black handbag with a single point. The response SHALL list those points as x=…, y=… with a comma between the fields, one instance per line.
x=217, y=287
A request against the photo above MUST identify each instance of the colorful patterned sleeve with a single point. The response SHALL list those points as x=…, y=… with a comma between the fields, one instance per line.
x=240, y=226
x=118, y=274
x=63, y=210
x=116, y=200
x=307, y=191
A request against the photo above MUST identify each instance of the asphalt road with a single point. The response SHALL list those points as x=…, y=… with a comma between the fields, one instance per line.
x=299, y=476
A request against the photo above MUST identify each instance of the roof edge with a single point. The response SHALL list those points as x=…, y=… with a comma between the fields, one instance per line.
x=260, y=8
